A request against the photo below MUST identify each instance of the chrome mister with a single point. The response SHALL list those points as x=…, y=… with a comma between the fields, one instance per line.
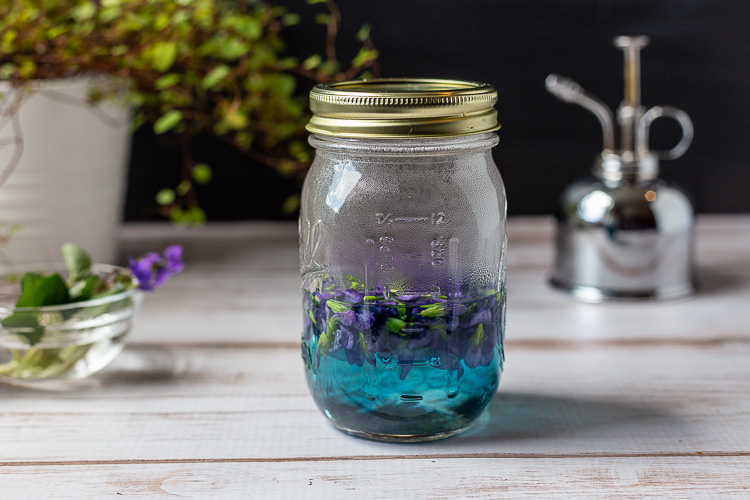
x=627, y=234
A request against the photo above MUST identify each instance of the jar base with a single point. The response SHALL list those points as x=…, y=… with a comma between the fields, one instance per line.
x=402, y=438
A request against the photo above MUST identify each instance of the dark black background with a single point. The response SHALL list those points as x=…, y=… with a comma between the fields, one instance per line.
x=698, y=60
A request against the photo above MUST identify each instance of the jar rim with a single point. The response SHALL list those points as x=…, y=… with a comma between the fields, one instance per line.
x=403, y=108
x=427, y=146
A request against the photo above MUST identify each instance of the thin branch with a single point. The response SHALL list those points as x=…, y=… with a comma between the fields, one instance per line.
x=333, y=30
x=95, y=109
x=18, y=141
x=188, y=163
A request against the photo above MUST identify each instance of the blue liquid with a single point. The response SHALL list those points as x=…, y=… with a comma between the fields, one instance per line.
x=409, y=370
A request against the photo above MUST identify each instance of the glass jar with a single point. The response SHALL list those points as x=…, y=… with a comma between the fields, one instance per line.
x=402, y=250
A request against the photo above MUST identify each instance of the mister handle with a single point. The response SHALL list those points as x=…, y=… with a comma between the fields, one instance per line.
x=676, y=114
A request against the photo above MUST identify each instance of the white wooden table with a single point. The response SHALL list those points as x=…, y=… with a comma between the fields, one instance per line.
x=208, y=400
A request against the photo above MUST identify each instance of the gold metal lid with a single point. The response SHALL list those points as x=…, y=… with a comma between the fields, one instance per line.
x=402, y=108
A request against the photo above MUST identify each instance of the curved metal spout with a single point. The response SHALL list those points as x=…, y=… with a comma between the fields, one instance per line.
x=569, y=91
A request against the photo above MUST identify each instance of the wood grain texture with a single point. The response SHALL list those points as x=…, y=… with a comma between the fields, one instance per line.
x=437, y=478
x=202, y=403
x=209, y=400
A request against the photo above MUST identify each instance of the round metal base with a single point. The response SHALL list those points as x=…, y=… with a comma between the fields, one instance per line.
x=595, y=295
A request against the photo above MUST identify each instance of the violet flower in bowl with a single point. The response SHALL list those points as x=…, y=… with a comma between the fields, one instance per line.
x=57, y=327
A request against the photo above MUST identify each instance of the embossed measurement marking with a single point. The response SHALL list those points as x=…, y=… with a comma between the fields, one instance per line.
x=389, y=219
x=386, y=254
x=438, y=251
x=412, y=256
x=411, y=219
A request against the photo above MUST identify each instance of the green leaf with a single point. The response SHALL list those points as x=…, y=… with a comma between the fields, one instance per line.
x=246, y=26
x=29, y=281
x=235, y=119
x=77, y=260
x=165, y=197
x=291, y=205
x=232, y=49
x=364, y=55
x=168, y=121
x=161, y=21
x=6, y=43
x=85, y=288
x=83, y=11
x=194, y=216
x=25, y=324
x=290, y=19
x=336, y=306
x=56, y=31
x=329, y=67
x=215, y=76
x=183, y=187
x=312, y=62
x=433, y=310
x=477, y=338
x=394, y=325
x=313, y=2
x=202, y=173
x=167, y=81
x=163, y=55
x=363, y=33
x=7, y=70
x=27, y=69
x=108, y=14
x=39, y=291
x=282, y=84
x=326, y=338
x=323, y=18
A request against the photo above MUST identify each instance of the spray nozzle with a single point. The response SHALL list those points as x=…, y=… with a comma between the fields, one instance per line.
x=633, y=118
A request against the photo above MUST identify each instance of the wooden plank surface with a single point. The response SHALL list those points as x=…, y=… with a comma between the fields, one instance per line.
x=437, y=478
x=249, y=403
x=209, y=399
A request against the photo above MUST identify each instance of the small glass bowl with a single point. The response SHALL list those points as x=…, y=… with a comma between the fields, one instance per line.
x=48, y=347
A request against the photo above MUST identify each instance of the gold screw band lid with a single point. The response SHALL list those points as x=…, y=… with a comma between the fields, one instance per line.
x=402, y=108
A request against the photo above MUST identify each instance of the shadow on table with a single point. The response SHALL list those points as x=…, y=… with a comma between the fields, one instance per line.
x=139, y=366
x=131, y=367
x=514, y=416
x=714, y=281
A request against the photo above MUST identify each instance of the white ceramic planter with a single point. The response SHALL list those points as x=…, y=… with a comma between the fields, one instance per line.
x=69, y=181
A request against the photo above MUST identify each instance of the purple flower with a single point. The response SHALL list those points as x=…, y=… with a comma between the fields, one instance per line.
x=483, y=316
x=349, y=318
x=366, y=319
x=173, y=259
x=343, y=339
x=153, y=270
x=353, y=296
x=407, y=298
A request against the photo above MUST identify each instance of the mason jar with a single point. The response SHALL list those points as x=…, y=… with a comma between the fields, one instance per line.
x=402, y=250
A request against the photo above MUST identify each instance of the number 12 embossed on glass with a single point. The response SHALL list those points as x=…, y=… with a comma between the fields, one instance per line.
x=402, y=251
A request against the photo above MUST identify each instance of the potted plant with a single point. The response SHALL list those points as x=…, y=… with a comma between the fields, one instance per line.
x=188, y=67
